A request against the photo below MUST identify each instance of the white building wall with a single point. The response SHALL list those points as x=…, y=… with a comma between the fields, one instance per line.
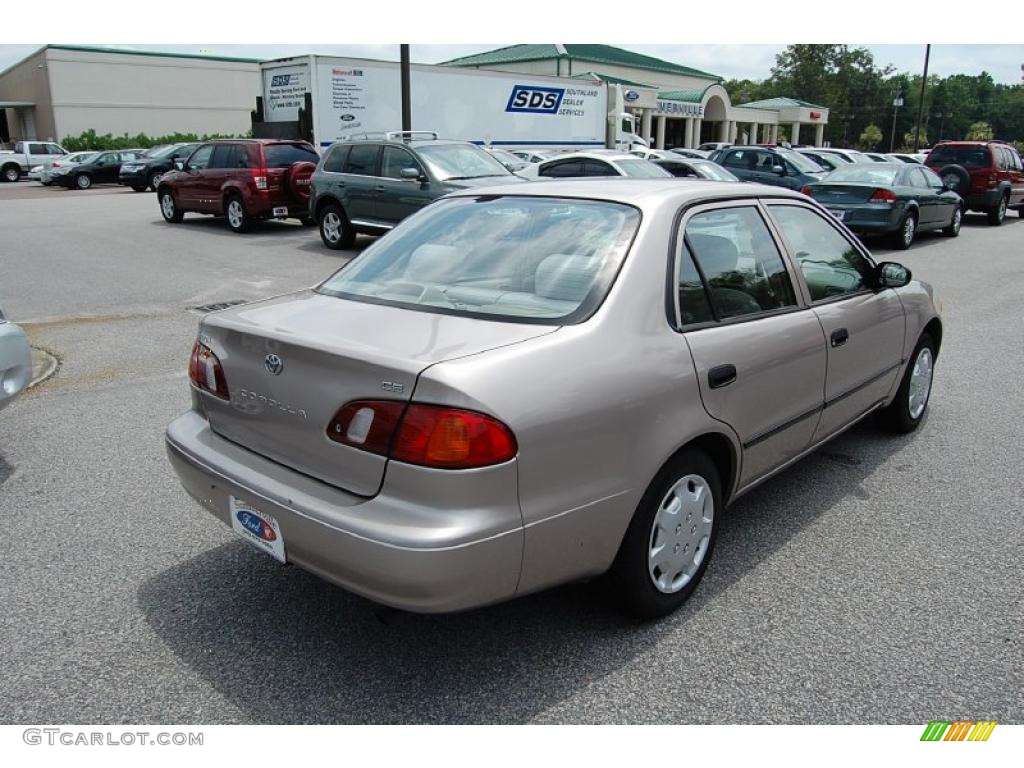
x=156, y=95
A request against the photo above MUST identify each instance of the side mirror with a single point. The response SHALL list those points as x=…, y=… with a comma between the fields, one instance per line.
x=890, y=274
x=410, y=174
x=779, y=170
x=179, y=165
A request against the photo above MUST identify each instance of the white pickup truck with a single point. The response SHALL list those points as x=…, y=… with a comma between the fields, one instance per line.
x=27, y=155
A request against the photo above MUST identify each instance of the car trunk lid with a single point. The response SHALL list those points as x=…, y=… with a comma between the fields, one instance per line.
x=328, y=352
x=840, y=194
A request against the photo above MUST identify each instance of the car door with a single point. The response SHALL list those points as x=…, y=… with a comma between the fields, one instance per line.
x=398, y=197
x=213, y=177
x=359, y=180
x=864, y=327
x=929, y=204
x=1015, y=170
x=946, y=201
x=188, y=187
x=758, y=350
x=765, y=164
x=740, y=162
x=100, y=168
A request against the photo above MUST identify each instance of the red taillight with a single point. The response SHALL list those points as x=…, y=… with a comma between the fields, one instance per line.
x=259, y=176
x=429, y=435
x=993, y=181
x=805, y=191
x=206, y=373
x=55, y=165
x=882, y=196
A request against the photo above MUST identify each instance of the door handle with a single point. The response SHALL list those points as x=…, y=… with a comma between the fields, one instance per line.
x=380, y=188
x=839, y=337
x=721, y=376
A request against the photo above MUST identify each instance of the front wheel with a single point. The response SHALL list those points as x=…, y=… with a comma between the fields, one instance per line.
x=154, y=180
x=137, y=188
x=171, y=213
x=906, y=411
x=238, y=219
x=998, y=213
x=83, y=181
x=668, y=544
x=954, y=225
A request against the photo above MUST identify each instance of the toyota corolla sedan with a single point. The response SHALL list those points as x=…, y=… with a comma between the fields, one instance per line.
x=527, y=385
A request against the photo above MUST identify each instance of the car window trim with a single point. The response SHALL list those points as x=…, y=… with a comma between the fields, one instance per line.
x=684, y=214
x=832, y=222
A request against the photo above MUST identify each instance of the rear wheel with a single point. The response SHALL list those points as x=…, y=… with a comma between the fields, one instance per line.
x=11, y=173
x=137, y=188
x=906, y=411
x=83, y=181
x=997, y=213
x=307, y=221
x=954, y=225
x=154, y=179
x=335, y=230
x=171, y=213
x=904, y=236
x=238, y=219
x=668, y=544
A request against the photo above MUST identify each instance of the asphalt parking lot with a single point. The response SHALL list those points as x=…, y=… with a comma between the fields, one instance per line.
x=877, y=581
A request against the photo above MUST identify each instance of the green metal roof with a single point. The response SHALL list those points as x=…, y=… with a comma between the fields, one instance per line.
x=611, y=79
x=780, y=102
x=693, y=96
x=602, y=54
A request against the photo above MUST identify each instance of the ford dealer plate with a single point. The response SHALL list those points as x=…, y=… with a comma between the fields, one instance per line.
x=258, y=528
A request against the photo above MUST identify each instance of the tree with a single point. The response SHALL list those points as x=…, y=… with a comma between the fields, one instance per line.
x=871, y=136
x=980, y=131
x=908, y=140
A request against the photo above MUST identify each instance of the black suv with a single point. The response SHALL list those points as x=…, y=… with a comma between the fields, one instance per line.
x=145, y=172
x=369, y=185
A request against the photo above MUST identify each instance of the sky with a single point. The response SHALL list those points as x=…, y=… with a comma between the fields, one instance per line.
x=752, y=61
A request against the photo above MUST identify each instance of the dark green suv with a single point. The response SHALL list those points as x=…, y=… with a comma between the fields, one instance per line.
x=369, y=185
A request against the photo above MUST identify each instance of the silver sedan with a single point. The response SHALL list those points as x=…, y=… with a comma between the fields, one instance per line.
x=528, y=385
x=15, y=360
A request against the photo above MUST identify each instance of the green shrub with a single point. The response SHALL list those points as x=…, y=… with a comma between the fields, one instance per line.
x=90, y=140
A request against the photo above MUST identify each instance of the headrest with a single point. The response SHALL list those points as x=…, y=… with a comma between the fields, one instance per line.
x=716, y=254
x=431, y=262
x=565, y=277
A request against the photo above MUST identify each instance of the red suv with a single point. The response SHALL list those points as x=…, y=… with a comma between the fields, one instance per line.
x=243, y=180
x=988, y=175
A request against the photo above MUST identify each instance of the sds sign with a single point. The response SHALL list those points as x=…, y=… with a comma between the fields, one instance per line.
x=531, y=98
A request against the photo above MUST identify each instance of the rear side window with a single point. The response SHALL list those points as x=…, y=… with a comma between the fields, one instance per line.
x=563, y=170
x=597, y=168
x=968, y=157
x=221, y=156
x=284, y=155
x=742, y=269
x=362, y=159
x=739, y=159
x=238, y=157
x=336, y=159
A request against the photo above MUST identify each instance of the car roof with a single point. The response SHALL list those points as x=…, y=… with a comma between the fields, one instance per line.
x=597, y=155
x=649, y=194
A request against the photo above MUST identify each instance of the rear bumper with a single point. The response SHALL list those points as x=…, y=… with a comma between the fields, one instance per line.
x=870, y=217
x=133, y=178
x=983, y=201
x=15, y=362
x=397, y=548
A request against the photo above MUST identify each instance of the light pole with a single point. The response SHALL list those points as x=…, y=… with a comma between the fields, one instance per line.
x=920, y=107
x=896, y=104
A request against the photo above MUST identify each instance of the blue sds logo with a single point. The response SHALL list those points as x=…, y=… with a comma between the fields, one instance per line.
x=279, y=80
x=531, y=98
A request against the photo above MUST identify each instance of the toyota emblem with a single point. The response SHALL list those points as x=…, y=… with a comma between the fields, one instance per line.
x=273, y=364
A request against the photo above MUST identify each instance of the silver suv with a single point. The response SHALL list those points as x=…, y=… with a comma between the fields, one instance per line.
x=539, y=383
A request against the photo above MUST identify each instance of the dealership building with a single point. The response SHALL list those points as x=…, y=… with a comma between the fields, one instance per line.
x=63, y=90
x=678, y=106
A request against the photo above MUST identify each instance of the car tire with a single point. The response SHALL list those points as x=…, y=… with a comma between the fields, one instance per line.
x=910, y=405
x=669, y=542
x=83, y=181
x=954, y=225
x=307, y=221
x=168, y=208
x=997, y=213
x=137, y=188
x=335, y=231
x=10, y=173
x=957, y=178
x=154, y=180
x=238, y=220
x=903, y=237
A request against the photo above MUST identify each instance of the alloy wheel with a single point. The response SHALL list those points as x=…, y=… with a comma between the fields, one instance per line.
x=681, y=533
x=235, y=214
x=167, y=205
x=909, y=225
x=331, y=226
x=920, y=383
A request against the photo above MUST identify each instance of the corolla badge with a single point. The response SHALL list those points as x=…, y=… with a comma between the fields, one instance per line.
x=255, y=525
x=273, y=364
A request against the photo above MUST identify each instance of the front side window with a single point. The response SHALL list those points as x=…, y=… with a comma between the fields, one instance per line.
x=200, y=159
x=933, y=180
x=519, y=259
x=741, y=158
x=831, y=265
x=55, y=150
x=918, y=179
x=395, y=160
x=742, y=269
x=38, y=149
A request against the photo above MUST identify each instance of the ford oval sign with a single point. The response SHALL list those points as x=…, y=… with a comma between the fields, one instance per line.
x=273, y=364
x=631, y=95
x=256, y=525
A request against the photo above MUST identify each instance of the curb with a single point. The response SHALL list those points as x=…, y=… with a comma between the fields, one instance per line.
x=44, y=365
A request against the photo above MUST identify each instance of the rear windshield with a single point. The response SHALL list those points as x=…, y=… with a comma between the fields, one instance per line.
x=283, y=155
x=968, y=157
x=862, y=173
x=713, y=171
x=641, y=169
x=519, y=259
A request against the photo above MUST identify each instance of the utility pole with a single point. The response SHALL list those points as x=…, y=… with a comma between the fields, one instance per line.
x=920, y=107
x=896, y=104
x=406, y=104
